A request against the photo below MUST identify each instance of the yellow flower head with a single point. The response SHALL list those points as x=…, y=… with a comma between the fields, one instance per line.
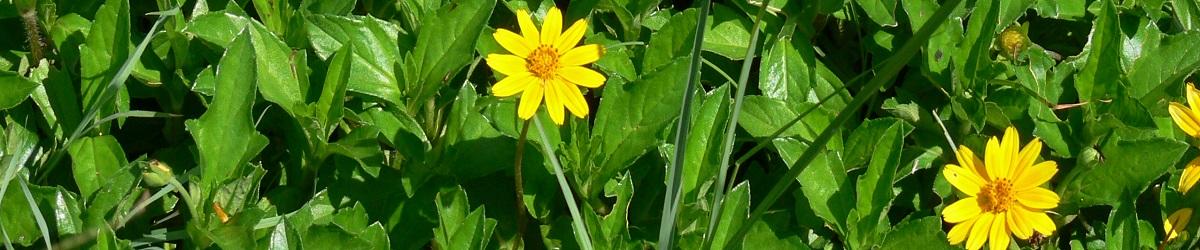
x=1188, y=119
x=1004, y=193
x=1191, y=174
x=546, y=64
x=1175, y=223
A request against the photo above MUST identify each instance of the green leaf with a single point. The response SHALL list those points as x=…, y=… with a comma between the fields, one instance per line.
x=443, y=46
x=273, y=59
x=17, y=88
x=1188, y=14
x=824, y=183
x=671, y=42
x=1128, y=166
x=375, y=51
x=763, y=116
x=704, y=147
x=875, y=186
x=1099, y=77
x=1166, y=64
x=918, y=234
x=733, y=213
x=225, y=134
x=333, y=92
x=1122, y=229
x=630, y=119
x=59, y=206
x=106, y=49
x=95, y=158
x=729, y=35
x=1061, y=9
x=883, y=12
x=792, y=74
x=457, y=228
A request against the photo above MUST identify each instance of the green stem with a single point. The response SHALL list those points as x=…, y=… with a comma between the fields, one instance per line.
x=730, y=130
x=519, y=185
x=580, y=230
x=683, y=128
x=891, y=68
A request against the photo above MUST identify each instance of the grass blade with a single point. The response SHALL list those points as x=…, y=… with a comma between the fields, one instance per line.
x=675, y=173
x=891, y=67
x=37, y=212
x=133, y=113
x=580, y=229
x=107, y=94
x=731, y=128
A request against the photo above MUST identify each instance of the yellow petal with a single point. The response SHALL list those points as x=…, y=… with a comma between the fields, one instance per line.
x=507, y=64
x=530, y=100
x=1039, y=221
x=528, y=30
x=1185, y=119
x=966, y=181
x=582, y=76
x=581, y=55
x=573, y=99
x=961, y=210
x=1028, y=155
x=1038, y=198
x=969, y=161
x=1191, y=174
x=554, y=101
x=512, y=85
x=571, y=36
x=513, y=43
x=980, y=231
x=552, y=26
x=995, y=159
x=1193, y=98
x=959, y=232
x=1018, y=224
x=1035, y=175
x=1176, y=222
x=999, y=236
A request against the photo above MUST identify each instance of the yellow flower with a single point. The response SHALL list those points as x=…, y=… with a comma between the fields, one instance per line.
x=546, y=64
x=1191, y=174
x=1188, y=117
x=1004, y=193
x=1176, y=223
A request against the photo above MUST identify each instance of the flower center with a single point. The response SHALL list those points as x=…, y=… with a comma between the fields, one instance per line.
x=996, y=196
x=543, y=62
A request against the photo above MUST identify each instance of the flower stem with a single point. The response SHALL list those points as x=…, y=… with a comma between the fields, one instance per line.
x=580, y=230
x=519, y=183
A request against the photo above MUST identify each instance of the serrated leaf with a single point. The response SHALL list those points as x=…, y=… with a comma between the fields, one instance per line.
x=375, y=51
x=94, y=159
x=225, y=134
x=444, y=46
x=1128, y=166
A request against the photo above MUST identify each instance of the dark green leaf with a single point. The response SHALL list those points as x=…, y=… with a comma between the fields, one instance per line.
x=17, y=88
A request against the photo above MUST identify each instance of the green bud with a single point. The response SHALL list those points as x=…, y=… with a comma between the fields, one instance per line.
x=158, y=174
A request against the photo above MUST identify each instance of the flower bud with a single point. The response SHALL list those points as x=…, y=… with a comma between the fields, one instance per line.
x=158, y=174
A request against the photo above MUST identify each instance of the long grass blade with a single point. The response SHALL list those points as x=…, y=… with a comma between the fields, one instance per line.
x=107, y=93
x=675, y=173
x=135, y=113
x=19, y=147
x=37, y=212
x=580, y=229
x=891, y=67
x=731, y=128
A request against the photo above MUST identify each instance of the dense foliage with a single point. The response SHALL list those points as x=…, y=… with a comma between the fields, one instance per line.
x=755, y=124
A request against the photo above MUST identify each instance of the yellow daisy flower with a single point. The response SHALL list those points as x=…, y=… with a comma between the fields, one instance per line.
x=1004, y=193
x=1175, y=223
x=1188, y=119
x=546, y=64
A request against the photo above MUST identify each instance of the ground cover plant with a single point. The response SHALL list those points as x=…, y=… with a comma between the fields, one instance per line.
x=599, y=124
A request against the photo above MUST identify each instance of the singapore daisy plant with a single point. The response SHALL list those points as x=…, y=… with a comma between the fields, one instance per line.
x=1004, y=193
x=546, y=65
